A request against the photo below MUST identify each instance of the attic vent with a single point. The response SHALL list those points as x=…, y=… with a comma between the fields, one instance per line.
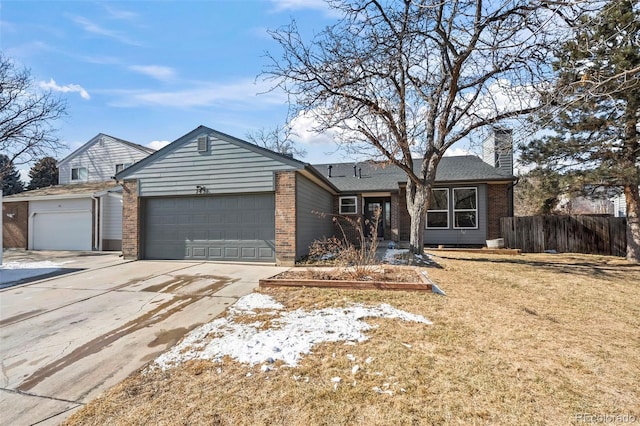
x=203, y=143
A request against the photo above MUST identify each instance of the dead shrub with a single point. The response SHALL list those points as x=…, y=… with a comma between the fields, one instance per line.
x=358, y=262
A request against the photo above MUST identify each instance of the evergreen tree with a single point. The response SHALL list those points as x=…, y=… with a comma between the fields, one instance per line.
x=44, y=173
x=11, y=183
x=592, y=123
x=537, y=193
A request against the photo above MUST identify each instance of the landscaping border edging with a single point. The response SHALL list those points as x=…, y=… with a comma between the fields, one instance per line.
x=423, y=285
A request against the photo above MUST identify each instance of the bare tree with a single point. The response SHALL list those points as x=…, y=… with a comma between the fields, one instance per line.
x=26, y=116
x=412, y=78
x=277, y=139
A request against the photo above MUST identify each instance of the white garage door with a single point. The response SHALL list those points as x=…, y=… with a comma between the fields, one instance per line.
x=62, y=231
x=60, y=224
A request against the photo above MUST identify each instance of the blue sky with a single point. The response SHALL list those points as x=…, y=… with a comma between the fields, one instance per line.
x=151, y=71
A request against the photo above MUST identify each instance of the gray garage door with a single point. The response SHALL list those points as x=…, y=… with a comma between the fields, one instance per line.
x=235, y=227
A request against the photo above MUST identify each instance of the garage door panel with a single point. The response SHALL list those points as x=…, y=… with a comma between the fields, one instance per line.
x=200, y=252
x=231, y=252
x=65, y=230
x=233, y=227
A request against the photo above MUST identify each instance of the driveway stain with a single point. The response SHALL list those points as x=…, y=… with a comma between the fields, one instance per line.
x=181, y=282
x=169, y=337
x=154, y=316
x=20, y=317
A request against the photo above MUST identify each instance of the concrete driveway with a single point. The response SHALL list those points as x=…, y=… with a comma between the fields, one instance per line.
x=64, y=340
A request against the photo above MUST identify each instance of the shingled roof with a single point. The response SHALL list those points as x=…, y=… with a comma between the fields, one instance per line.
x=384, y=177
x=69, y=190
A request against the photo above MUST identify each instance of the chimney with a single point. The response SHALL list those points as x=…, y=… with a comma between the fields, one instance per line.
x=355, y=168
x=329, y=167
x=497, y=150
x=359, y=172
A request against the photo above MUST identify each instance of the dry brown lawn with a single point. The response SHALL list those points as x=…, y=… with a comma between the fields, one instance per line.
x=530, y=339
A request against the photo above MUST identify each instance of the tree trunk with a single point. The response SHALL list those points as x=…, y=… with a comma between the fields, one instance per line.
x=630, y=161
x=417, y=207
x=632, y=198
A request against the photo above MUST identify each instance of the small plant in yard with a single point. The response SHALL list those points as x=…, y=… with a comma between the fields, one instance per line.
x=356, y=262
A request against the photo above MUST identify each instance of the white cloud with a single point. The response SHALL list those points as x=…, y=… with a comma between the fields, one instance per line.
x=158, y=144
x=321, y=5
x=29, y=49
x=94, y=28
x=302, y=127
x=119, y=13
x=501, y=96
x=452, y=152
x=154, y=71
x=203, y=94
x=102, y=60
x=52, y=85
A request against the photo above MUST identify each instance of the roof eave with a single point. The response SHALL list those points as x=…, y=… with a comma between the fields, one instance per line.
x=48, y=197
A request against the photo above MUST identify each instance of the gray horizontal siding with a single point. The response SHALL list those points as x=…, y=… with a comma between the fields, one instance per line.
x=462, y=236
x=226, y=168
x=100, y=159
x=310, y=226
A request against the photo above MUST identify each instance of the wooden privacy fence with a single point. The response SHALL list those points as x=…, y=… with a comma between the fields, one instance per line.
x=566, y=234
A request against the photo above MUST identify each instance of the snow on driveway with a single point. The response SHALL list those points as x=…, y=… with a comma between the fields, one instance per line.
x=293, y=335
x=12, y=272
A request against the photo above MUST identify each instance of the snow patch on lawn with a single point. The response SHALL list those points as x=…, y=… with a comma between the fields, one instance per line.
x=391, y=256
x=250, y=302
x=292, y=334
x=401, y=257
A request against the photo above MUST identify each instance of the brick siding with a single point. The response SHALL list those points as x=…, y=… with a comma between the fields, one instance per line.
x=130, y=220
x=497, y=207
x=285, y=186
x=15, y=224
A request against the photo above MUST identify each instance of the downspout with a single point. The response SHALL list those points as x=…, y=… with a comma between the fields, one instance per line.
x=96, y=225
x=101, y=216
x=512, y=195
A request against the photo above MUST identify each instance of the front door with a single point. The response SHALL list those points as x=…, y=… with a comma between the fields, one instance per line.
x=374, y=215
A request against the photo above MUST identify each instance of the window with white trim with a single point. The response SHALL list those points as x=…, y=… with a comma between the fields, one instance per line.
x=465, y=208
x=79, y=174
x=121, y=166
x=438, y=213
x=349, y=205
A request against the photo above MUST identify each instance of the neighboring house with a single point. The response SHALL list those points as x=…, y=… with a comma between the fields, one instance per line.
x=83, y=212
x=211, y=196
x=619, y=206
x=584, y=206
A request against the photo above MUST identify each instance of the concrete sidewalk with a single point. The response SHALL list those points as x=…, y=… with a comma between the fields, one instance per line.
x=67, y=339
